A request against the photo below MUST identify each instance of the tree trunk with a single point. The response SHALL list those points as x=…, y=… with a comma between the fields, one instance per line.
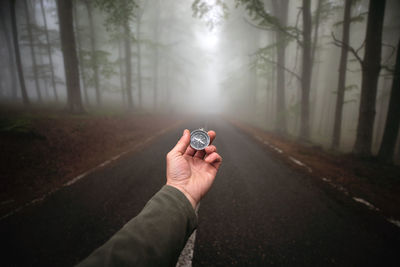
x=11, y=61
x=128, y=63
x=306, y=73
x=139, y=63
x=121, y=72
x=316, y=29
x=342, y=77
x=371, y=67
x=281, y=11
x=388, y=144
x=53, y=81
x=93, y=46
x=24, y=93
x=80, y=56
x=32, y=49
x=69, y=53
x=156, y=55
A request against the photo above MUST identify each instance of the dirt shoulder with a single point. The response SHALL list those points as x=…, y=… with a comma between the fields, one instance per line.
x=42, y=150
x=367, y=181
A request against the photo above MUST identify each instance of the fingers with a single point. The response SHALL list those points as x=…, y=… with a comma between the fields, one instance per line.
x=214, y=159
x=183, y=143
x=201, y=153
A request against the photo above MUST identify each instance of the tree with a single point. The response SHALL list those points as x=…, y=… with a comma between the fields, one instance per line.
x=306, y=72
x=11, y=61
x=342, y=76
x=276, y=22
x=70, y=57
x=370, y=66
x=139, y=52
x=53, y=79
x=93, y=47
x=32, y=49
x=119, y=14
x=24, y=93
x=80, y=54
x=281, y=11
x=388, y=144
x=156, y=53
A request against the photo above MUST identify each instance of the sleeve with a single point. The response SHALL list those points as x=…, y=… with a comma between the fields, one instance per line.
x=155, y=237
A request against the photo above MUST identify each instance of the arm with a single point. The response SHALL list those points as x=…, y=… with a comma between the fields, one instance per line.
x=157, y=235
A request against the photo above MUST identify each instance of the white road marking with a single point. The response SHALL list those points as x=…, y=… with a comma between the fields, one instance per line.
x=326, y=180
x=298, y=162
x=277, y=149
x=366, y=203
x=83, y=175
x=186, y=257
x=329, y=181
x=395, y=222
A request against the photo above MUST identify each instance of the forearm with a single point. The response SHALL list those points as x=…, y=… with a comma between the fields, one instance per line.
x=155, y=237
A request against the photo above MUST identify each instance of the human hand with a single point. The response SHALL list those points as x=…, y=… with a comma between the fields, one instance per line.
x=191, y=171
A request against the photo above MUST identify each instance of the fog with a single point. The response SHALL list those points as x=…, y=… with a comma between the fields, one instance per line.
x=205, y=57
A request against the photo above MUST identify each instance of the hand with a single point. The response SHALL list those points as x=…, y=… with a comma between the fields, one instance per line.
x=191, y=171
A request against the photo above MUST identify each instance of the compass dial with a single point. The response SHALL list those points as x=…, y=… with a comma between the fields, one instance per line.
x=199, y=139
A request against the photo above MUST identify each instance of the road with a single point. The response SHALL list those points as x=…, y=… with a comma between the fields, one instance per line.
x=259, y=212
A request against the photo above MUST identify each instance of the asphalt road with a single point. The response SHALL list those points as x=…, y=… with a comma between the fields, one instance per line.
x=259, y=212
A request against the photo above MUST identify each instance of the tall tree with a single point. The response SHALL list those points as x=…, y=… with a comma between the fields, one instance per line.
x=156, y=53
x=120, y=13
x=342, y=76
x=32, y=49
x=281, y=12
x=93, y=47
x=11, y=61
x=306, y=72
x=80, y=54
x=128, y=62
x=24, y=93
x=53, y=80
x=388, y=144
x=69, y=53
x=139, y=52
x=370, y=66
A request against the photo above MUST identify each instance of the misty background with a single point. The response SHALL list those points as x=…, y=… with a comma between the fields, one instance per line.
x=274, y=64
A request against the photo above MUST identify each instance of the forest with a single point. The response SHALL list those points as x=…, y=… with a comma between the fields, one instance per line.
x=323, y=71
x=303, y=96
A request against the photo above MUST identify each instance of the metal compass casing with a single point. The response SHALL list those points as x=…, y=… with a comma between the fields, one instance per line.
x=199, y=139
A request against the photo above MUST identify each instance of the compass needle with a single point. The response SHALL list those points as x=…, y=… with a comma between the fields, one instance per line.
x=199, y=139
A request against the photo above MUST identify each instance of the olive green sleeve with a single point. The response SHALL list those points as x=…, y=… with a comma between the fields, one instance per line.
x=155, y=237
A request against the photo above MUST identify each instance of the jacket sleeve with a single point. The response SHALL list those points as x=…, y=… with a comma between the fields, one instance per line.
x=155, y=237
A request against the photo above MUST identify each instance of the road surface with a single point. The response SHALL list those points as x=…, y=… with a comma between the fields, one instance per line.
x=259, y=212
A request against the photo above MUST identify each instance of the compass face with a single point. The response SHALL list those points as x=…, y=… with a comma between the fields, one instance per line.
x=199, y=139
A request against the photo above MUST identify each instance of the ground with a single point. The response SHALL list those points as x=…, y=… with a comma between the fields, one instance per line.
x=42, y=149
x=364, y=179
x=264, y=208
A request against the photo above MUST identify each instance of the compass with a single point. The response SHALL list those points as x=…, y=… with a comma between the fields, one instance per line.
x=199, y=139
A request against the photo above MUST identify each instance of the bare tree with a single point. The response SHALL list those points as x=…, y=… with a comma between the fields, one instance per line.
x=371, y=66
x=24, y=93
x=69, y=53
x=342, y=76
x=388, y=144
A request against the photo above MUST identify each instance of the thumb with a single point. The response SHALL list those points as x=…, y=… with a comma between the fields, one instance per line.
x=183, y=143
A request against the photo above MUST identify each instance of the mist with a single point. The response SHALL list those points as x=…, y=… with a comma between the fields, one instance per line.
x=313, y=84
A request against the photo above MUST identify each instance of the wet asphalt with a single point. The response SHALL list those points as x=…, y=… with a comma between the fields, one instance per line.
x=259, y=212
